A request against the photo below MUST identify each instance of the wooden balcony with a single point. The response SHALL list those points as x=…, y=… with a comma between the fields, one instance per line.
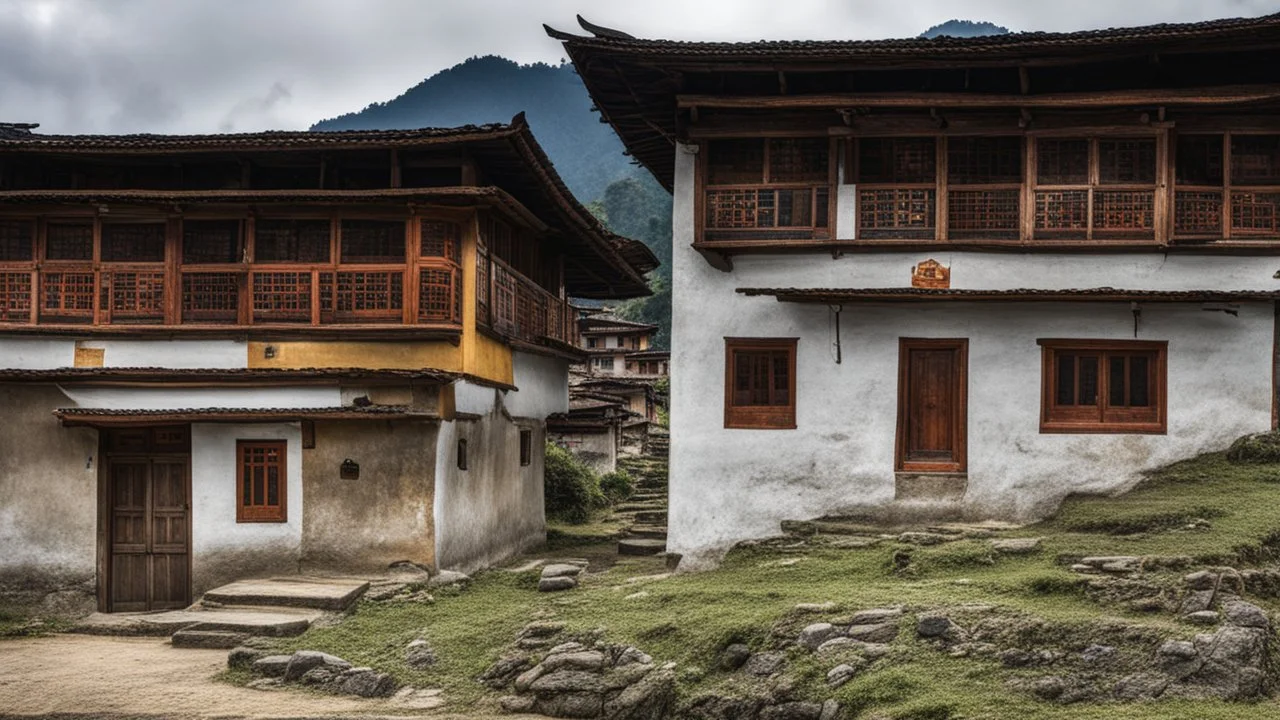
x=777, y=213
x=514, y=307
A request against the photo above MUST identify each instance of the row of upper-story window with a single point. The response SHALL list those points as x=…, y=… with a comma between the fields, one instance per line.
x=1016, y=188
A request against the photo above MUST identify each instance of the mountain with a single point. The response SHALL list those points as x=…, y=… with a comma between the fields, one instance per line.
x=492, y=89
x=964, y=28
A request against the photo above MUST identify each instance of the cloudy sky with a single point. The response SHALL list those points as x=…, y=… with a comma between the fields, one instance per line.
x=242, y=65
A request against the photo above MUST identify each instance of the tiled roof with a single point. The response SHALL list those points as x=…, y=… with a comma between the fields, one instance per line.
x=15, y=138
x=97, y=416
x=215, y=375
x=1102, y=294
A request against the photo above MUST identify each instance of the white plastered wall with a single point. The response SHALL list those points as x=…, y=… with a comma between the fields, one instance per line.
x=731, y=485
x=41, y=354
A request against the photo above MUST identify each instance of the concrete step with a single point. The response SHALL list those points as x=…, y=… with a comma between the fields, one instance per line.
x=653, y=532
x=193, y=637
x=270, y=622
x=336, y=594
x=641, y=546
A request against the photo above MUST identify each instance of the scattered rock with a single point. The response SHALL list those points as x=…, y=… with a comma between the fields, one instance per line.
x=651, y=698
x=556, y=584
x=925, y=538
x=1016, y=546
x=830, y=709
x=630, y=656
x=448, y=577
x=1202, y=617
x=267, y=683
x=815, y=607
x=1196, y=601
x=882, y=633
x=561, y=570
x=1048, y=688
x=792, y=711
x=1201, y=580
x=244, y=657
x=304, y=660
x=1141, y=686
x=929, y=626
x=419, y=655
x=765, y=664
x=589, y=660
x=843, y=673
x=875, y=616
x=272, y=666
x=1243, y=614
x=1181, y=649
x=735, y=656
x=363, y=682
x=814, y=635
x=541, y=629
x=517, y=704
x=504, y=671
x=1095, y=654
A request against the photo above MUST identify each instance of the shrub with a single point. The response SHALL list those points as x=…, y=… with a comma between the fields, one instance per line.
x=572, y=489
x=617, y=485
x=1255, y=449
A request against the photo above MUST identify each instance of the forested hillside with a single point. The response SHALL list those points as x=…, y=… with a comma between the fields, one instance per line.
x=585, y=151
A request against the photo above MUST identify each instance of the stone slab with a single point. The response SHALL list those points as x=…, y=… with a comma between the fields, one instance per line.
x=271, y=622
x=335, y=594
x=935, y=487
x=641, y=546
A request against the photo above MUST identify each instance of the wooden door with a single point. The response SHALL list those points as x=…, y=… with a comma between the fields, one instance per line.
x=932, y=405
x=149, y=529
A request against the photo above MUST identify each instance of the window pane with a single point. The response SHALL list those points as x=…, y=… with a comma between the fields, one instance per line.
x=211, y=241
x=257, y=484
x=1131, y=160
x=1088, y=380
x=372, y=241
x=781, y=379
x=133, y=242
x=734, y=162
x=896, y=160
x=1139, y=381
x=1066, y=379
x=69, y=241
x=1199, y=160
x=741, y=378
x=1062, y=162
x=289, y=241
x=1115, y=381
x=798, y=159
x=1255, y=159
x=246, y=490
x=759, y=379
x=16, y=240
x=984, y=160
x=273, y=485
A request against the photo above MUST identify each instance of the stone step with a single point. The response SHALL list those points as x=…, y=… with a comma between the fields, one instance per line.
x=269, y=622
x=655, y=532
x=639, y=506
x=193, y=637
x=641, y=546
x=649, y=497
x=318, y=593
x=651, y=517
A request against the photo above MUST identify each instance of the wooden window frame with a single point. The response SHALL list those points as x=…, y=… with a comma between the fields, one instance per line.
x=1056, y=420
x=776, y=234
x=278, y=513
x=759, y=417
x=526, y=447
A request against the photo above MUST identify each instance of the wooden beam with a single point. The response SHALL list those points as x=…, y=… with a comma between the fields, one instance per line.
x=1226, y=95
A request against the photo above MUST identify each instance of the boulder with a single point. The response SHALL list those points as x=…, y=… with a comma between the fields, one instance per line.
x=556, y=584
x=765, y=664
x=843, y=673
x=734, y=656
x=1095, y=654
x=527, y=678
x=875, y=616
x=1140, y=686
x=320, y=675
x=1196, y=601
x=419, y=655
x=1243, y=614
x=815, y=607
x=630, y=656
x=243, y=657
x=567, y=681
x=650, y=698
x=1201, y=580
x=830, y=709
x=542, y=629
x=272, y=666
x=364, y=682
x=517, y=703
x=792, y=711
x=304, y=660
x=504, y=671
x=1203, y=617
x=570, y=705
x=930, y=626
x=591, y=660
x=623, y=677
x=882, y=633
x=1016, y=546
x=561, y=570
x=448, y=577
x=1180, y=649
x=814, y=635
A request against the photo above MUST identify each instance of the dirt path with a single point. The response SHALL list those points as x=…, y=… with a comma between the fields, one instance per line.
x=89, y=676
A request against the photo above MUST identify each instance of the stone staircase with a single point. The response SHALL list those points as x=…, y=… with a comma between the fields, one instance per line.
x=646, y=511
x=227, y=616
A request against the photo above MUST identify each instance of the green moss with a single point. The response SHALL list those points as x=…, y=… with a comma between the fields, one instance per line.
x=1254, y=449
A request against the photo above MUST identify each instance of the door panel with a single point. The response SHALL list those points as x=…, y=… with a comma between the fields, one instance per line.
x=149, y=536
x=931, y=405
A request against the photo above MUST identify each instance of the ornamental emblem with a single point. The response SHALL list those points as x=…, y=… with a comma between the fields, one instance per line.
x=931, y=274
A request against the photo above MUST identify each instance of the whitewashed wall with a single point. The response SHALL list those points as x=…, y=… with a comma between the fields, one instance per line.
x=41, y=354
x=222, y=549
x=142, y=398
x=731, y=485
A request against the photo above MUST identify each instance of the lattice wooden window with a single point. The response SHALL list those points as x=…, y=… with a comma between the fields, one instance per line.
x=896, y=161
x=984, y=160
x=1255, y=159
x=1062, y=213
x=133, y=242
x=1199, y=171
x=134, y=296
x=760, y=383
x=15, y=297
x=261, y=481
x=1199, y=160
x=439, y=295
x=67, y=295
x=17, y=240
x=1062, y=161
x=897, y=214
x=69, y=241
x=440, y=239
x=1255, y=213
x=504, y=301
x=1127, y=161
x=1103, y=386
x=798, y=160
x=282, y=296
x=1197, y=212
x=1119, y=213
x=210, y=297
x=372, y=241
x=369, y=295
x=977, y=214
x=291, y=241
x=483, y=266
x=764, y=189
x=735, y=162
x=206, y=242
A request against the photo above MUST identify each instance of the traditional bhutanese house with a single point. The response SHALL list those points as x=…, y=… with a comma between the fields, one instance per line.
x=620, y=348
x=954, y=276
x=592, y=428
x=232, y=356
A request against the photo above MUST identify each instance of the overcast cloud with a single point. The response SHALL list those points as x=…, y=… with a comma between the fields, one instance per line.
x=242, y=65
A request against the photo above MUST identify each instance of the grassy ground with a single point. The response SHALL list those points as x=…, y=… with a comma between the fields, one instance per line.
x=1207, y=509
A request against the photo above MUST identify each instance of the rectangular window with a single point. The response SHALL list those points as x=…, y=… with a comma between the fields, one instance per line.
x=1095, y=188
x=211, y=242
x=776, y=188
x=984, y=179
x=462, y=454
x=372, y=241
x=291, y=241
x=526, y=448
x=897, y=188
x=1103, y=386
x=17, y=238
x=260, y=481
x=760, y=383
